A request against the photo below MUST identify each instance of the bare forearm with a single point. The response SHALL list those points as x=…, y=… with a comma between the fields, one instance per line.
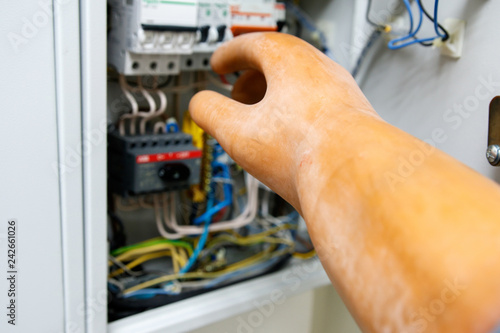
x=398, y=225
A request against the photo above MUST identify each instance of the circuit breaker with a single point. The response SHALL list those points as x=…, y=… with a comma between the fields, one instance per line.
x=152, y=163
x=256, y=15
x=159, y=37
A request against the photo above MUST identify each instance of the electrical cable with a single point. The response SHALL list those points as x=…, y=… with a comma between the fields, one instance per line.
x=376, y=25
x=137, y=253
x=152, y=242
x=123, y=266
x=155, y=113
x=202, y=241
x=159, y=127
x=188, y=265
x=437, y=26
x=434, y=19
x=159, y=219
x=199, y=248
x=228, y=195
x=254, y=269
x=133, y=103
x=143, y=259
x=247, y=216
x=120, y=307
x=138, y=290
x=395, y=43
x=304, y=256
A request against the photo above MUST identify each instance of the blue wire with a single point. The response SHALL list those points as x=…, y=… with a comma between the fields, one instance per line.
x=410, y=13
x=228, y=195
x=392, y=44
x=147, y=293
x=151, y=292
x=199, y=247
x=436, y=22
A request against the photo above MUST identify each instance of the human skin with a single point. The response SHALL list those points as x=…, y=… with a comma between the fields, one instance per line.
x=410, y=246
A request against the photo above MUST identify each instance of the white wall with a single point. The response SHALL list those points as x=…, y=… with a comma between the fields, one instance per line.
x=419, y=91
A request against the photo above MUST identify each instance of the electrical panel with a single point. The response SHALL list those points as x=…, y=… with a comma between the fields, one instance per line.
x=152, y=163
x=203, y=212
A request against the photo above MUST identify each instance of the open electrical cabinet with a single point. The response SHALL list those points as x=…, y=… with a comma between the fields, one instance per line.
x=86, y=138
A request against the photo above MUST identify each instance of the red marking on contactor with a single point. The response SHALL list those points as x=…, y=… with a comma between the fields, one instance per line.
x=168, y=157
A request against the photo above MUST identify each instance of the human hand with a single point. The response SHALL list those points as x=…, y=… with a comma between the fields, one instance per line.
x=290, y=103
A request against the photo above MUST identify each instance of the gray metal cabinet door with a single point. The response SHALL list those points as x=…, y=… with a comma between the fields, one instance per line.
x=29, y=183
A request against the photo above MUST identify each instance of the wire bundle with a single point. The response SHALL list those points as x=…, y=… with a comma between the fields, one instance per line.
x=212, y=268
x=411, y=38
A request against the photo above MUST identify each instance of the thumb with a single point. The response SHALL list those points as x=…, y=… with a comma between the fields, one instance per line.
x=223, y=118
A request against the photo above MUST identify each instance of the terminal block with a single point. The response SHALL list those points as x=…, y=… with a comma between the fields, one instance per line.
x=152, y=163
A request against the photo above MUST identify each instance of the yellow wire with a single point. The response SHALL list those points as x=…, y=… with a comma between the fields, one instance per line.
x=180, y=258
x=204, y=275
x=257, y=238
x=175, y=260
x=249, y=240
x=184, y=256
x=304, y=256
x=139, y=261
x=138, y=255
x=135, y=253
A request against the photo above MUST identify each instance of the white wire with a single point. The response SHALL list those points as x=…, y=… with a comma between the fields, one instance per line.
x=151, y=102
x=146, y=116
x=195, y=284
x=133, y=102
x=247, y=216
x=122, y=266
x=159, y=127
x=269, y=220
x=159, y=220
x=117, y=283
x=161, y=110
x=222, y=180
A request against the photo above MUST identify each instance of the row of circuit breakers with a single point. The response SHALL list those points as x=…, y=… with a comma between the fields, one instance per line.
x=161, y=37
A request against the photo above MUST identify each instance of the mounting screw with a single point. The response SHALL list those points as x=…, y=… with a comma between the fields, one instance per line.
x=493, y=154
